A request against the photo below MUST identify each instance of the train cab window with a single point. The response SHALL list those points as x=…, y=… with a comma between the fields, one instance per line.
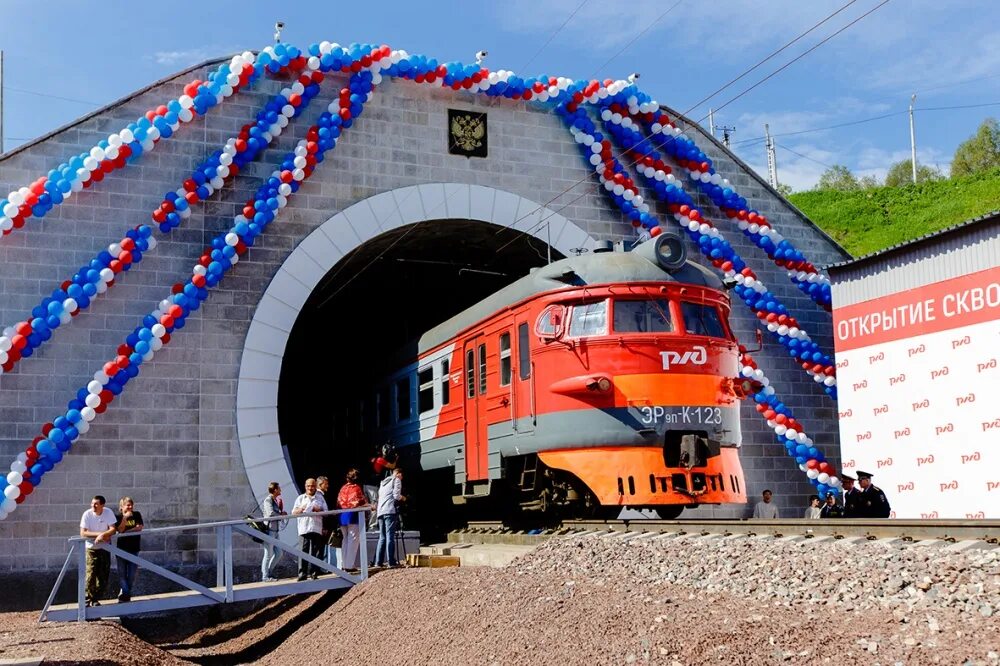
x=505, y=359
x=523, y=352
x=470, y=374
x=425, y=394
x=403, y=399
x=384, y=410
x=482, y=369
x=445, y=382
x=701, y=319
x=650, y=316
x=550, y=322
x=589, y=319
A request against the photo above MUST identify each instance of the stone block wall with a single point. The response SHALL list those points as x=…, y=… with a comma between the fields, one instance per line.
x=170, y=439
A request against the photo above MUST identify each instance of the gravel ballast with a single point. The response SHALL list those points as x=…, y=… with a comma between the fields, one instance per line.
x=623, y=600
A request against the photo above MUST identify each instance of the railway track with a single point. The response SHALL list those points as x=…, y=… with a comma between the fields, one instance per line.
x=950, y=531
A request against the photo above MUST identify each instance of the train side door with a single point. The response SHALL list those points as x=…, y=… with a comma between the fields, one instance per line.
x=524, y=391
x=476, y=441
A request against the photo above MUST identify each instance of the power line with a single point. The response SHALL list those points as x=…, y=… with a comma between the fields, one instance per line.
x=803, y=54
x=805, y=157
x=959, y=106
x=41, y=94
x=553, y=35
x=747, y=71
x=830, y=127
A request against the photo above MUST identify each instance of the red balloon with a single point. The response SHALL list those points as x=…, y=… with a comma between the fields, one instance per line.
x=26, y=487
x=812, y=463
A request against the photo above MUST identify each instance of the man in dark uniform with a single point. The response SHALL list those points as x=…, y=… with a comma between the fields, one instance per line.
x=851, y=496
x=831, y=509
x=871, y=501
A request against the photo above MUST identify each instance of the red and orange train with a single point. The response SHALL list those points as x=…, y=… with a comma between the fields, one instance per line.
x=597, y=382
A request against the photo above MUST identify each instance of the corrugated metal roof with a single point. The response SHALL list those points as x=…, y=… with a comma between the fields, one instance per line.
x=937, y=236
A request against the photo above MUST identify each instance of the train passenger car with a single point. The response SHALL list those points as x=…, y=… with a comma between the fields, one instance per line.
x=597, y=382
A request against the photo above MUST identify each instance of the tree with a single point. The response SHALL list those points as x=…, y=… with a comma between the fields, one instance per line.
x=837, y=177
x=979, y=152
x=901, y=173
x=869, y=182
x=784, y=189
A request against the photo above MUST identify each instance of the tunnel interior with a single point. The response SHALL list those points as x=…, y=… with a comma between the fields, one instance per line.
x=367, y=313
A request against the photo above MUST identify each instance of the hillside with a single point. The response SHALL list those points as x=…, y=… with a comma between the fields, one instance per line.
x=866, y=221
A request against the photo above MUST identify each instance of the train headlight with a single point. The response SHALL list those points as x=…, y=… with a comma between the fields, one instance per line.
x=670, y=252
x=602, y=384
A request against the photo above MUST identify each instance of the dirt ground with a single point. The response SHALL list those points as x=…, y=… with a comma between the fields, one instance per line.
x=592, y=602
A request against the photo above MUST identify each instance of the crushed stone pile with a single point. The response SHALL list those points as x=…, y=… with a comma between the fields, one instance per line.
x=687, y=600
x=102, y=642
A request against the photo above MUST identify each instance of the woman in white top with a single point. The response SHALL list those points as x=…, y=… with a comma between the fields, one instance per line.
x=815, y=511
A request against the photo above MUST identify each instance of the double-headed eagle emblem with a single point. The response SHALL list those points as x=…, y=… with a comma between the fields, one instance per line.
x=468, y=131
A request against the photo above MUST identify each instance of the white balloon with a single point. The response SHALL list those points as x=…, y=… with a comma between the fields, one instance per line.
x=14, y=478
x=82, y=426
x=95, y=386
x=823, y=477
x=5, y=343
x=11, y=493
x=99, y=376
x=88, y=414
x=812, y=473
x=8, y=505
x=159, y=330
x=93, y=400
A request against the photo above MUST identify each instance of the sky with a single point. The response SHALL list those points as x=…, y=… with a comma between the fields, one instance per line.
x=70, y=58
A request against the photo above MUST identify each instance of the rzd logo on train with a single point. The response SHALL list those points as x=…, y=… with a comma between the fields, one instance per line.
x=697, y=356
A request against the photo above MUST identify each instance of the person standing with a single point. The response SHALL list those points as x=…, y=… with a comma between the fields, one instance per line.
x=814, y=511
x=872, y=502
x=851, y=495
x=99, y=525
x=831, y=509
x=330, y=523
x=310, y=528
x=271, y=507
x=390, y=491
x=128, y=521
x=351, y=496
x=764, y=508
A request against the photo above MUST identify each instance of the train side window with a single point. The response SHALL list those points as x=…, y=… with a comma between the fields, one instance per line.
x=384, y=411
x=425, y=395
x=505, y=359
x=550, y=322
x=523, y=352
x=701, y=319
x=403, y=399
x=651, y=316
x=589, y=319
x=482, y=368
x=445, y=382
x=470, y=374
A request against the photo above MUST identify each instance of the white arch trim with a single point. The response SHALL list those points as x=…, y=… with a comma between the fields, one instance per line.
x=260, y=367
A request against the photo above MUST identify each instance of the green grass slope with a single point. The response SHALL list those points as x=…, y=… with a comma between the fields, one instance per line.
x=870, y=220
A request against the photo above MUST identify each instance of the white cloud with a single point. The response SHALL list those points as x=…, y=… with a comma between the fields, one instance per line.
x=189, y=56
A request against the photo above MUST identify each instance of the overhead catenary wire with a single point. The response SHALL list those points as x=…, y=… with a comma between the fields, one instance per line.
x=588, y=176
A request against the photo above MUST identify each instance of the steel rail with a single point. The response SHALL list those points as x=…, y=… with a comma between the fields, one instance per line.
x=950, y=531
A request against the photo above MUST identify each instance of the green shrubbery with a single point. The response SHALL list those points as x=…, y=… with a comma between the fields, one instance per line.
x=868, y=220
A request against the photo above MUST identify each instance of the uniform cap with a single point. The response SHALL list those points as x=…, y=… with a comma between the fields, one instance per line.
x=864, y=475
x=847, y=477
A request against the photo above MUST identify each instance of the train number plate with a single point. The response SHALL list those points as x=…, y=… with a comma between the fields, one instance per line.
x=655, y=415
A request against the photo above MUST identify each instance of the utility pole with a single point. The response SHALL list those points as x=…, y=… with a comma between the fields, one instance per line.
x=913, y=140
x=772, y=162
x=711, y=122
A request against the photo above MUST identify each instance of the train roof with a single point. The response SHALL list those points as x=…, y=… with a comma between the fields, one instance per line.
x=600, y=267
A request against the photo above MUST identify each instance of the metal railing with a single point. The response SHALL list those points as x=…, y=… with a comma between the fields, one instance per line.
x=225, y=590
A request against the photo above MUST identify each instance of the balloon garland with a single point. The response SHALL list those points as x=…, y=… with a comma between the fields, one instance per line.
x=750, y=288
x=367, y=64
x=125, y=146
x=596, y=149
x=668, y=137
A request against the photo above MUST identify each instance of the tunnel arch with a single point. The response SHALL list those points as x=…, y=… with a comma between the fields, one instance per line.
x=305, y=268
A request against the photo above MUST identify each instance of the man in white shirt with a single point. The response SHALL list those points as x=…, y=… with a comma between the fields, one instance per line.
x=97, y=524
x=310, y=528
x=765, y=509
